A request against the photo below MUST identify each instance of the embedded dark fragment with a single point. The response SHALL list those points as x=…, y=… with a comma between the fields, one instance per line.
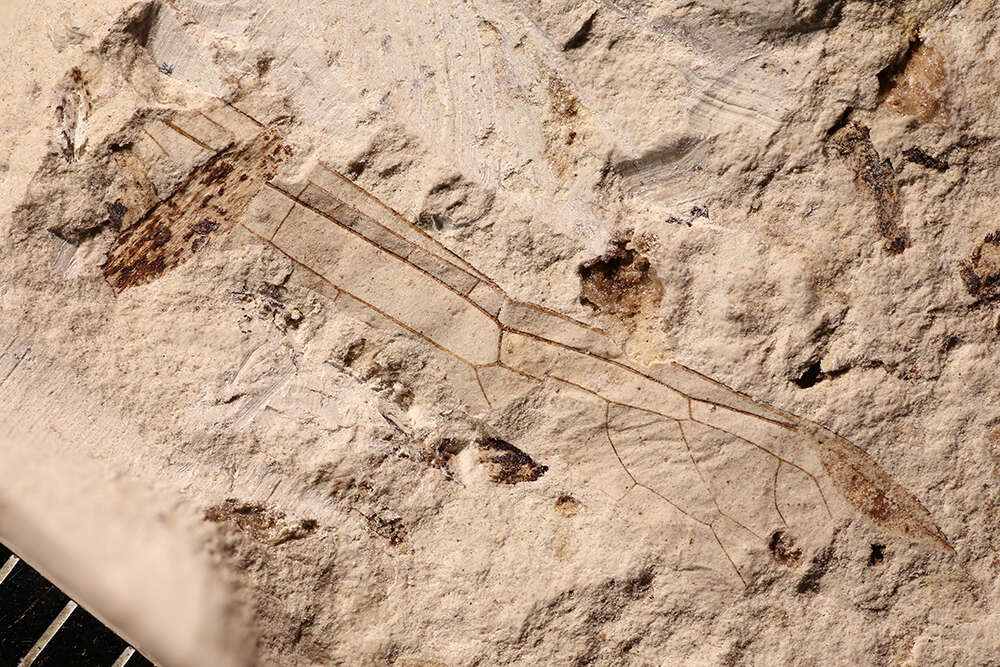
x=116, y=212
x=810, y=376
x=919, y=156
x=508, y=464
x=874, y=176
x=783, y=550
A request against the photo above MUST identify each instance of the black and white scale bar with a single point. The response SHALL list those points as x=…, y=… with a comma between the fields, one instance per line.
x=41, y=627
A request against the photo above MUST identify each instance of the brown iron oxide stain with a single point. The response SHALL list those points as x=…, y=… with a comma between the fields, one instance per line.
x=981, y=272
x=874, y=176
x=258, y=522
x=211, y=201
x=916, y=85
x=620, y=283
x=567, y=505
x=564, y=126
x=564, y=103
x=247, y=517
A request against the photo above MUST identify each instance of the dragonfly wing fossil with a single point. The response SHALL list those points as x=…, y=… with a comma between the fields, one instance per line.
x=734, y=468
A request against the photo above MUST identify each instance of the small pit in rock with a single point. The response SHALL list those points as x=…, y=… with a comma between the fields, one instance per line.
x=810, y=376
x=877, y=555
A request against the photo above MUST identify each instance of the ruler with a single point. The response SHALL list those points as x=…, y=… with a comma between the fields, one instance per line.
x=41, y=626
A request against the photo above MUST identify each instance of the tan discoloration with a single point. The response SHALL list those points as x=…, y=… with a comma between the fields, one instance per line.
x=567, y=124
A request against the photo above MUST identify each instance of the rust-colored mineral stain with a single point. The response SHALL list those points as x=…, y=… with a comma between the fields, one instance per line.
x=917, y=86
x=246, y=517
x=621, y=282
x=175, y=229
x=562, y=99
x=257, y=521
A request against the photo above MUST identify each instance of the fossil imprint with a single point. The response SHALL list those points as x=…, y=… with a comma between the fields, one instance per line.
x=659, y=427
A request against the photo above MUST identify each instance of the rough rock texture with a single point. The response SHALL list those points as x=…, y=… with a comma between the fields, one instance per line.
x=371, y=447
